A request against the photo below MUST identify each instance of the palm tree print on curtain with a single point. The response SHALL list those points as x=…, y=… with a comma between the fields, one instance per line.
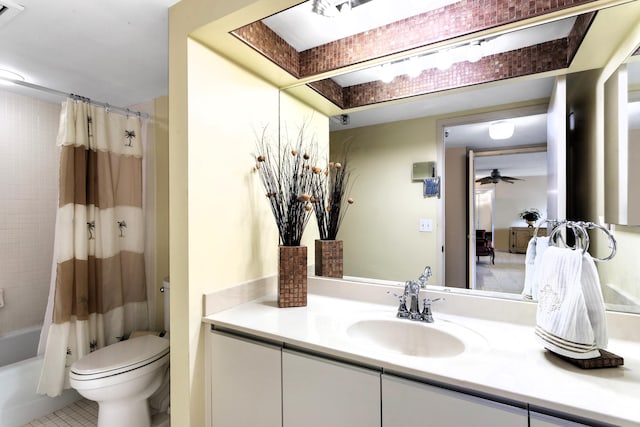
x=129, y=134
x=98, y=290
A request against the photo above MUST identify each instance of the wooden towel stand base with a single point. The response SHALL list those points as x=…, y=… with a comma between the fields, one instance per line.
x=606, y=360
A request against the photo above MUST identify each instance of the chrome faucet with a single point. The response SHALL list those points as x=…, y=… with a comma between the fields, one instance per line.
x=412, y=291
x=411, y=295
x=426, y=274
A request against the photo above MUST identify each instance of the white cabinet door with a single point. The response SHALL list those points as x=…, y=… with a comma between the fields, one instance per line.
x=245, y=382
x=320, y=392
x=540, y=420
x=410, y=403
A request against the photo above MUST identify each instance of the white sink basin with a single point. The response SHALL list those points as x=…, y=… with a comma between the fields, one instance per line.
x=440, y=339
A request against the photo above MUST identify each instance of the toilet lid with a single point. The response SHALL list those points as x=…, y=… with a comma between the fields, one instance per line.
x=121, y=356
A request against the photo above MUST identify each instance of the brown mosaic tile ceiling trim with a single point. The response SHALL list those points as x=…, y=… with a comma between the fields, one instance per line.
x=463, y=17
x=330, y=90
x=531, y=60
x=579, y=30
x=451, y=21
x=261, y=38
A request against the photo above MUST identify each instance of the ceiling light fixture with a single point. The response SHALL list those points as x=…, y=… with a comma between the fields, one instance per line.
x=444, y=60
x=324, y=7
x=413, y=67
x=332, y=8
x=8, y=11
x=501, y=130
x=344, y=7
x=386, y=73
x=474, y=52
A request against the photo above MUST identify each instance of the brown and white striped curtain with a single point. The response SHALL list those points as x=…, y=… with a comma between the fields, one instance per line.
x=98, y=290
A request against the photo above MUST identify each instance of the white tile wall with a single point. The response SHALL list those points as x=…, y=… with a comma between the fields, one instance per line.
x=28, y=199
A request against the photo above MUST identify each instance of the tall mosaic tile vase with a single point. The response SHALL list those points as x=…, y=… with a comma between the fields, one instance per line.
x=292, y=276
x=329, y=258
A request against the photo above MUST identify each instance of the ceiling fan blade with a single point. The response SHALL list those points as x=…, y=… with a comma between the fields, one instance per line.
x=485, y=180
x=510, y=178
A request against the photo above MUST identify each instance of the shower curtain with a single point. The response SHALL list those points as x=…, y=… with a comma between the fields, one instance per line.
x=97, y=292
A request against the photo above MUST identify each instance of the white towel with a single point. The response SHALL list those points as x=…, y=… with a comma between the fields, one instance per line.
x=535, y=250
x=592, y=291
x=563, y=324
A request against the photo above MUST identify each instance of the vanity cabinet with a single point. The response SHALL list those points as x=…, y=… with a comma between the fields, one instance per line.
x=318, y=392
x=245, y=382
x=257, y=384
x=411, y=403
x=251, y=383
x=519, y=238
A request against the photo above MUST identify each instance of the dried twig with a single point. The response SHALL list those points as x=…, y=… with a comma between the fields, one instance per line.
x=331, y=197
x=287, y=175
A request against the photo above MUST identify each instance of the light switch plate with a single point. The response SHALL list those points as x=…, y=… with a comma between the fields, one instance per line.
x=426, y=225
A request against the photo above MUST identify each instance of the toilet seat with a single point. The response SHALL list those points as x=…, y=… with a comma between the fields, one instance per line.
x=118, y=358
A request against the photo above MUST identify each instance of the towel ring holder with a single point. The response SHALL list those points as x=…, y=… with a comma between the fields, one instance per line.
x=553, y=222
x=579, y=229
x=579, y=232
x=612, y=240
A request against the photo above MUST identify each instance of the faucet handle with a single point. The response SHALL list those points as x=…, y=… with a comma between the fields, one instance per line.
x=426, y=314
x=403, y=313
x=402, y=298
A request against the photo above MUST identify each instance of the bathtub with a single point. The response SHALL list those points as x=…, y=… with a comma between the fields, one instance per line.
x=19, y=375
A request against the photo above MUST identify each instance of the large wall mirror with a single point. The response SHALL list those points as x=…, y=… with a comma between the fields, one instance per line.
x=388, y=134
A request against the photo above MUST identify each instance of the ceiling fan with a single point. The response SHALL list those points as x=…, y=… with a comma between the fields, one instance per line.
x=495, y=178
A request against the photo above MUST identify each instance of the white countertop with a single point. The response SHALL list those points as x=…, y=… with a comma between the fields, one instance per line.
x=507, y=361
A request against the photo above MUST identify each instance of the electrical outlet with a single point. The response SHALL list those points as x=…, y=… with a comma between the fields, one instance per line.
x=426, y=225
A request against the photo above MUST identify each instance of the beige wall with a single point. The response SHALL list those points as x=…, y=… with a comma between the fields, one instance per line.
x=510, y=200
x=380, y=230
x=156, y=203
x=187, y=390
x=161, y=177
x=221, y=232
x=587, y=145
x=455, y=199
x=209, y=184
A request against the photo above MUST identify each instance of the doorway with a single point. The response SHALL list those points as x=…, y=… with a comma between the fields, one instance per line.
x=504, y=184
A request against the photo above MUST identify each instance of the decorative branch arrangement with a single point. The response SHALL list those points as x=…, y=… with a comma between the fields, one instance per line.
x=287, y=176
x=330, y=199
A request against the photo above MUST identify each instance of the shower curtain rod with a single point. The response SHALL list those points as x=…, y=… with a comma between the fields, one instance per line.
x=107, y=106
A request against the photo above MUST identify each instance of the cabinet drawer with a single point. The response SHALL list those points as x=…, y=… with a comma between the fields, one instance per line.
x=245, y=382
x=317, y=392
x=406, y=402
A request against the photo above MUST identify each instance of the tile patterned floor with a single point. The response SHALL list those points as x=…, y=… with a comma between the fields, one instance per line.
x=83, y=413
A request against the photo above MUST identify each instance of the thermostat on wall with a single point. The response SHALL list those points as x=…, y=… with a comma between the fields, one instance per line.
x=423, y=170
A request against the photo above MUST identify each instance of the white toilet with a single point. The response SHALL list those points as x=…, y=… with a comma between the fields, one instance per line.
x=121, y=377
